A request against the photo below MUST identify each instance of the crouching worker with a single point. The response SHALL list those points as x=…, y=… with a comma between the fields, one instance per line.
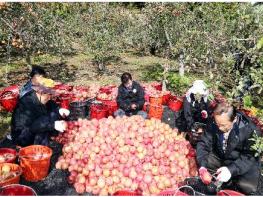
x=195, y=114
x=226, y=148
x=130, y=97
x=36, y=117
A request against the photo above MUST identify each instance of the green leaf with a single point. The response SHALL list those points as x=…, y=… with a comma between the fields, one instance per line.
x=260, y=43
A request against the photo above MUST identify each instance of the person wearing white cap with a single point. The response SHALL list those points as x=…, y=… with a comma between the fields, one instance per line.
x=36, y=117
x=195, y=111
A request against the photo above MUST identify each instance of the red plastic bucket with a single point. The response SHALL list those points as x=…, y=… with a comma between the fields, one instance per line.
x=65, y=100
x=166, y=98
x=35, y=162
x=14, y=89
x=98, y=111
x=156, y=100
x=156, y=111
x=17, y=190
x=175, y=104
x=8, y=100
x=111, y=105
x=7, y=155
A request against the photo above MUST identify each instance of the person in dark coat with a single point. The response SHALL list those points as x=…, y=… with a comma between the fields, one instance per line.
x=225, y=148
x=130, y=97
x=36, y=117
x=195, y=113
x=35, y=75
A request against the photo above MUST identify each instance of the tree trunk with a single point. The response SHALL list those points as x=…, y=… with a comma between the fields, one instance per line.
x=101, y=66
x=168, y=40
x=6, y=73
x=164, y=83
x=181, y=69
x=28, y=60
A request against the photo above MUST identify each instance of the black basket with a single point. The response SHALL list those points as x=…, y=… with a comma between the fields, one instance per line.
x=199, y=187
x=78, y=104
x=89, y=102
x=78, y=110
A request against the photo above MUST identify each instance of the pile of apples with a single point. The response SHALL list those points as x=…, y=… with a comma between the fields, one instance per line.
x=93, y=90
x=107, y=155
x=111, y=95
x=68, y=135
x=80, y=93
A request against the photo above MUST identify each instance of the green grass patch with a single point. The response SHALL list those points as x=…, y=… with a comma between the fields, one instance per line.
x=5, y=123
x=176, y=83
x=44, y=59
x=145, y=61
x=10, y=67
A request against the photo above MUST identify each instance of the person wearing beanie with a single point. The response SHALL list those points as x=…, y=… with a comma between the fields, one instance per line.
x=37, y=117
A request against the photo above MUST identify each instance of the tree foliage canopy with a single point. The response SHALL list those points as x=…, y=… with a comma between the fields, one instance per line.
x=222, y=40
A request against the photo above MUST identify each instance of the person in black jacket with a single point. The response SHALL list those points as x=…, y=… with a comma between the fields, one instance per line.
x=195, y=113
x=225, y=148
x=36, y=117
x=130, y=97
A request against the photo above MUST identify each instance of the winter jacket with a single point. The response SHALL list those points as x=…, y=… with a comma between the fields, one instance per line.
x=238, y=157
x=191, y=113
x=127, y=97
x=25, y=89
x=32, y=122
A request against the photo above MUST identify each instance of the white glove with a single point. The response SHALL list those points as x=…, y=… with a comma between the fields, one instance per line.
x=64, y=112
x=60, y=125
x=223, y=174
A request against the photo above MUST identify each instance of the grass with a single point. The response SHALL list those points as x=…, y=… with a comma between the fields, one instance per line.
x=5, y=123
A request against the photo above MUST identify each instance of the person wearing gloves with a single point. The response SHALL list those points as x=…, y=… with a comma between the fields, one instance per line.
x=130, y=97
x=225, y=148
x=35, y=75
x=36, y=117
x=195, y=113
